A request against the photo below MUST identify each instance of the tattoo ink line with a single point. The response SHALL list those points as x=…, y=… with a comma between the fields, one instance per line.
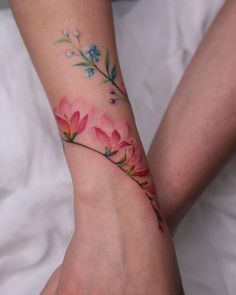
x=90, y=59
x=123, y=148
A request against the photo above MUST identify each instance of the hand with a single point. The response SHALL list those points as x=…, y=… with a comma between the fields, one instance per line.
x=117, y=248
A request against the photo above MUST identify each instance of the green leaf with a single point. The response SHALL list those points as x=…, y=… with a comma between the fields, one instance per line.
x=63, y=40
x=105, y=81
x=129, y=172
x=108, y=152
x=107, y=62
x=73, y=136
x=121, y=162
x=67, y=136
x=82, y=64
x=113, y=153
x=113, y=73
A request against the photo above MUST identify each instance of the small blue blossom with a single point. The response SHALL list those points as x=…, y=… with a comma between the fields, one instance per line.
x=90, y=72
x=93, y=53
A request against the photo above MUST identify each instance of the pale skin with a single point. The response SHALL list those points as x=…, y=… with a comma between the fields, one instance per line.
x=197, y=135
x=120, y=245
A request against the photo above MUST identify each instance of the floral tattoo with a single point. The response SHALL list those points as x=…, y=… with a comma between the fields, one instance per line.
x=89, y=59
x=113, y=141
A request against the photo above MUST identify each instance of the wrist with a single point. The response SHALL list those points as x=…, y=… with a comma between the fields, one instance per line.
x=102, y=187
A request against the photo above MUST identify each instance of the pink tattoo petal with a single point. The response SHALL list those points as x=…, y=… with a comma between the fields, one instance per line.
x=124, y=129
x=64, y=108
x=63, y=125
x=124, y=144
x=151, y=188
x=82, y=124
x=141, y=173
x=102, y=137
x=115, y=137
x=75, y=121
x=133, y=154
x=107, y=121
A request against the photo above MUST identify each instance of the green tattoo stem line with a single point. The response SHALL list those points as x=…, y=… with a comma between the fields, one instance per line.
x=96, y=151
x=159, y=217
x=112, y=82
x=125, y=98
x=91, y=61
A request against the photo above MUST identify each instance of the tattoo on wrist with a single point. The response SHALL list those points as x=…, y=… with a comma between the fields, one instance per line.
x=88, y=57
x=112, y=140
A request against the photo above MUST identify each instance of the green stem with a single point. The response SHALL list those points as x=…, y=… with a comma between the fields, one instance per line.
x=138, y=183
x=112, y=81
x=125, y=98
x=96, y=151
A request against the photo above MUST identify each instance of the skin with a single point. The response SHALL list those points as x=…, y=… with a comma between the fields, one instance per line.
x=117, y=246
x=197, y=134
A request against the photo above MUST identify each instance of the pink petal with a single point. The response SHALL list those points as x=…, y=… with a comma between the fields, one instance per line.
x=124, y=144
x=82, y=124
x=115, y=137
x=64, y=107
x=75, y=121
x=136, y=157
x=102, y=137
x=129, y=153
x=151, y=189
x=141, y=173
x=124, y=129
x=63, y=125
x=107, y=121
x=133, y=154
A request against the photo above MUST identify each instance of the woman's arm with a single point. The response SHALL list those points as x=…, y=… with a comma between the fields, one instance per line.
x=121, y=243
x=198, y=132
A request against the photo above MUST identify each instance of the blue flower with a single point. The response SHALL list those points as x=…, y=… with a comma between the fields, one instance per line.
x=93, y=53
x=90, y=72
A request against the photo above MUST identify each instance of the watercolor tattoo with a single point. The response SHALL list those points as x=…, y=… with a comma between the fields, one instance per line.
x=112, y=140
x=89, y=57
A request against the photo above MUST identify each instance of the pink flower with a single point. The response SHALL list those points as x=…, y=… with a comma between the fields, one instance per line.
x=133, y=159
x=113, y=137
x=112, y=142
x=69, y=120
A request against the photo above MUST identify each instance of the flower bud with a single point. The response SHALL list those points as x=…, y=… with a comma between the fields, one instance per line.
x=70, y=53
x=66, y=33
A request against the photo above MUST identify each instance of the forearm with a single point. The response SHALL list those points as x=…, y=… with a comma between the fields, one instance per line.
x=72, y=46
x=197, y=134
x=120, y=239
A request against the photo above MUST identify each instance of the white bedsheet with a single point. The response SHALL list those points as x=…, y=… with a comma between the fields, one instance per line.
x=156, y=39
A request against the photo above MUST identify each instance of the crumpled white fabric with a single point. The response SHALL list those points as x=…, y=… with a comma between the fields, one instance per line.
x=156, y=40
